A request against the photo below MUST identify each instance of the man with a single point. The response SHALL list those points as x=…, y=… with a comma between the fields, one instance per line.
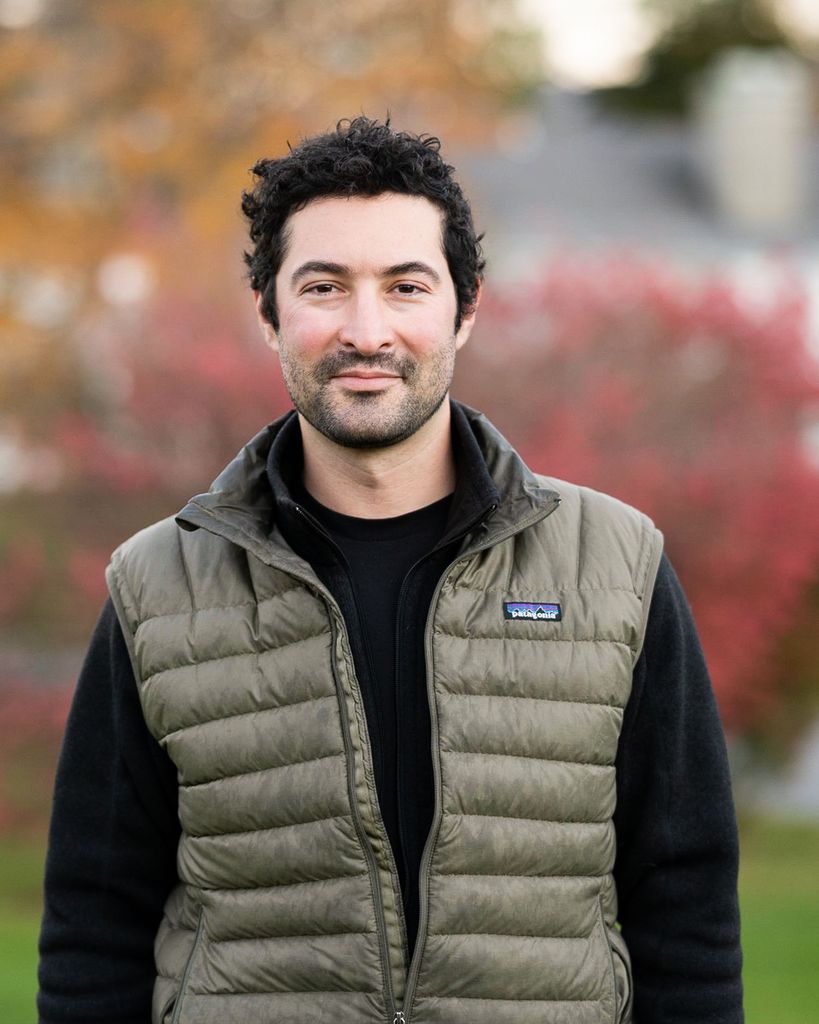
x=381, y=727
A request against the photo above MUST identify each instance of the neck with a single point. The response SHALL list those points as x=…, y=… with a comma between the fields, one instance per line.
x=379, y=483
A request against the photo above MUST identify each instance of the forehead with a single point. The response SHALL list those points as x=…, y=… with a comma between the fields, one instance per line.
x=386, y=229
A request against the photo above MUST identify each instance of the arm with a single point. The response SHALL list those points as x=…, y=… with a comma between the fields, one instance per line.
x=112, y=848
x=677, y=848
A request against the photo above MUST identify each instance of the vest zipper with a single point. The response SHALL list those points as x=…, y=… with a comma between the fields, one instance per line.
x=468, y=528
x=331, y=605
x=337, y=625
x=405, y=1016
x=183, y=985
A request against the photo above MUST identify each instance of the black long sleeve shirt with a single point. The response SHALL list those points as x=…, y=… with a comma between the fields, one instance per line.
x=112, y=848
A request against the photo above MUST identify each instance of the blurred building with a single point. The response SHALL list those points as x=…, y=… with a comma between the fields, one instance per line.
x=566, y=175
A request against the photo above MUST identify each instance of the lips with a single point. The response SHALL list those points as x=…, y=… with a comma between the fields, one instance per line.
x=368, y=374
x=350, y=370
x=366, y=380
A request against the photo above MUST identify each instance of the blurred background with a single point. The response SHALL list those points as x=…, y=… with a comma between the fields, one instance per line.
x=646, y=174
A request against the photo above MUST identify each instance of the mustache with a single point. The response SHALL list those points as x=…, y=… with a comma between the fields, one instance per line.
x=340, y=362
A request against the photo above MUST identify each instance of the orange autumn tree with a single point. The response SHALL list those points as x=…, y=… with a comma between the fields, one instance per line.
x=130, y=122
x=129, y=129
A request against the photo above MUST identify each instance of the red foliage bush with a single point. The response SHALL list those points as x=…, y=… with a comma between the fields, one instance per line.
x=682, y=400
x=22, y=568
x=190, y=388
x=32, y=720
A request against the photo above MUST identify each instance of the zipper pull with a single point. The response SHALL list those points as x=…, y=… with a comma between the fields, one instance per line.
x=399, y=1018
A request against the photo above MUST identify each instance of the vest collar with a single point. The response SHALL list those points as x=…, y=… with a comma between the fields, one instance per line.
x=251, y=497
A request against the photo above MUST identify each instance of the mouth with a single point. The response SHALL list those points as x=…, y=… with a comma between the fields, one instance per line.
x=366, y=380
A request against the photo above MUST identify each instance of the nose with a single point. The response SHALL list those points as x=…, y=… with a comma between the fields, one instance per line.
x=365, y=326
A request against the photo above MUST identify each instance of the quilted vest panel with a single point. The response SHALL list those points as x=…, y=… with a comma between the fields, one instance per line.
x=274, y=918
x=287, y=911
x=521, y=899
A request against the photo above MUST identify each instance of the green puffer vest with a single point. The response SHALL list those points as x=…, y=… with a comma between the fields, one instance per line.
x=288, y=909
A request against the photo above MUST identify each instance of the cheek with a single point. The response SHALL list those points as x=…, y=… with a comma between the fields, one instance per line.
x=426, y=334
x=307, y=330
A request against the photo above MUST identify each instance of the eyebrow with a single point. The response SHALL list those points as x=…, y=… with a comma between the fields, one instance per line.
x=412, y=267
x=341, y=270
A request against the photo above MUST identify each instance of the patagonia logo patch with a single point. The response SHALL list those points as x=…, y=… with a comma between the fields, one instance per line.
x=543, y=611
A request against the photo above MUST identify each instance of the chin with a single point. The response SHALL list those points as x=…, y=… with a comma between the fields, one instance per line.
x=366, y=423
x=364, y=438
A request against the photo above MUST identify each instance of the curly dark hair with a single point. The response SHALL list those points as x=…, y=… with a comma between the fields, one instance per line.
x=360, y=158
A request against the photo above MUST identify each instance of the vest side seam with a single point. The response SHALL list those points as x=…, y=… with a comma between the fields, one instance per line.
x=653, y=552
x=185, y=571
x=580, y=535
x=115, y=581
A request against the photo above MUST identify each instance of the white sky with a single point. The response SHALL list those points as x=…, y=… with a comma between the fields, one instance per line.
x=588, y=42
x=599, y=42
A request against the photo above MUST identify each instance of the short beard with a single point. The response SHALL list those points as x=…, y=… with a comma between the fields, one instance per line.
x=309, y=395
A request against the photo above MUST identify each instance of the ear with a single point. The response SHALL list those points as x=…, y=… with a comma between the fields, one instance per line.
x=270, y=336
x=468, y=322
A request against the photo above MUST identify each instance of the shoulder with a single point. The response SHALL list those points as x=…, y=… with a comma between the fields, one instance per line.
x=596, y=506
x=154, y=542
x=148, y=559
x=606, y=531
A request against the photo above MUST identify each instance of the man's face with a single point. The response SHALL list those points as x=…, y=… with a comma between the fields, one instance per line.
x=366, y=317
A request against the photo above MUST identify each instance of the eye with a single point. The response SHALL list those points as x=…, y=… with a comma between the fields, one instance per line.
x=406, y=288
x=321, y=288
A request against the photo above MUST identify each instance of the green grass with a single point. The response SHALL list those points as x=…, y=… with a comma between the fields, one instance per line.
x=18, y=959
x=21, y=871
x=779, y=895
x=779, y=899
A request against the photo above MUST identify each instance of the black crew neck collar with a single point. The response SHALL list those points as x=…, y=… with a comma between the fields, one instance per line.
x=359, y=528
x=475, y=491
